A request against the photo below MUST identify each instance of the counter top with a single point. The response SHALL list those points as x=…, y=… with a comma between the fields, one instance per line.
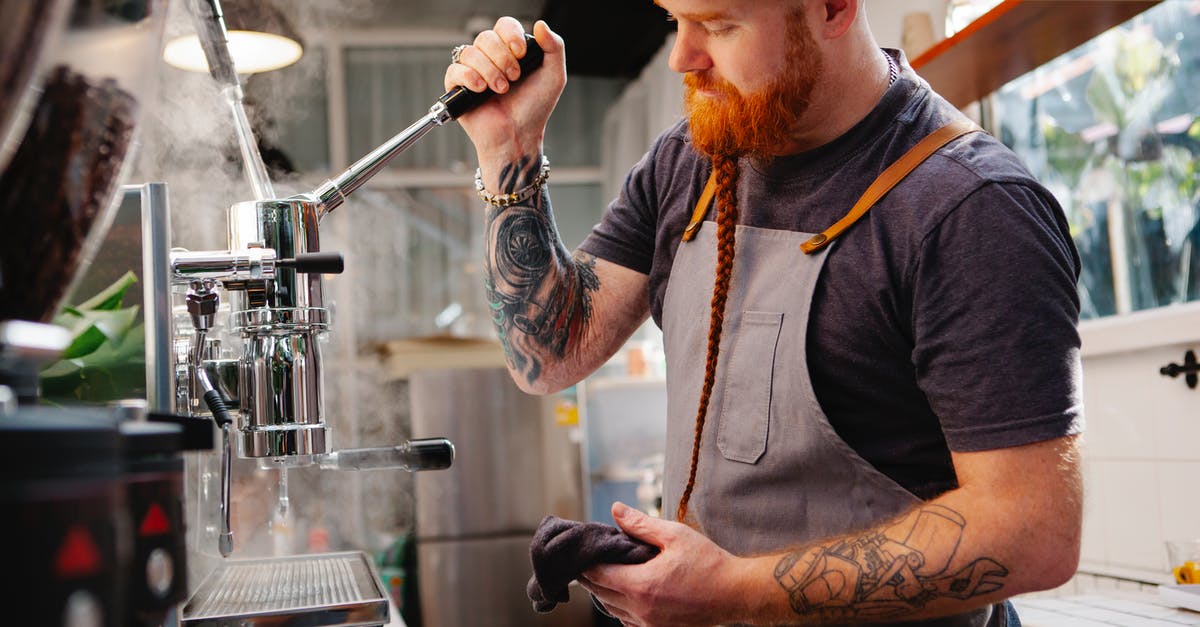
x=1112, y=607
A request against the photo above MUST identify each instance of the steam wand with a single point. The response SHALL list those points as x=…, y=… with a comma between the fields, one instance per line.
x=214, y=40
x=202, y=304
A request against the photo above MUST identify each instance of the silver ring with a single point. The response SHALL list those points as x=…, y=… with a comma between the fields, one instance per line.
x=456, y=52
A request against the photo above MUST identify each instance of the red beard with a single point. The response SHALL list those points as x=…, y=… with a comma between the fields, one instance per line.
x=731, y=125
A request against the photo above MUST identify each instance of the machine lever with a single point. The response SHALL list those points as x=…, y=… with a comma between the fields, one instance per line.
x=315, y=263
x=461, y=100
x=413, y=455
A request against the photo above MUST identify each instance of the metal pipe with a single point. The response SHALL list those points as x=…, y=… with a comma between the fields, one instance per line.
x=414, y=455
x=156, y=243
x=210, y=28
x=332, y=193
x=225, y=541
x=256, y=170
x=243, y=265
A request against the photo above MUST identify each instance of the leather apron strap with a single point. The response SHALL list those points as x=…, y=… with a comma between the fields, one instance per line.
x=701, y=209
x=877, y=190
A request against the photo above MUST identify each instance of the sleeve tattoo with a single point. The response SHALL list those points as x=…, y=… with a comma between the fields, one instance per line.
x=886, y=573
x=540, y=296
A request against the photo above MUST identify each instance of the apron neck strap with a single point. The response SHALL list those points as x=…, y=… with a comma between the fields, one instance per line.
x=701, y=210
x=889, y=178
x=878, y=188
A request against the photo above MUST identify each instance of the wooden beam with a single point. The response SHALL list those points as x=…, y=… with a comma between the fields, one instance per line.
x=1014, y=38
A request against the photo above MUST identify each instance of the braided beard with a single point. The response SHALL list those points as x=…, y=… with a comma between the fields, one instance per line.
x=759, y=124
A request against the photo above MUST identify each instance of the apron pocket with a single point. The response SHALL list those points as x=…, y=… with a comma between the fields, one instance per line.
x=746, y=400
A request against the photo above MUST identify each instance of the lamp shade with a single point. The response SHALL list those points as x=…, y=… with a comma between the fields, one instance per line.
x=261, y=39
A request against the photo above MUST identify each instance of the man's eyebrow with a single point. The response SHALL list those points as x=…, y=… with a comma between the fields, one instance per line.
x=697, y=17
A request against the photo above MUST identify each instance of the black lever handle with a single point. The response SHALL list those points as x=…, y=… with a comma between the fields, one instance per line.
x=430, y=453
x=315, y=263
x=461, y=100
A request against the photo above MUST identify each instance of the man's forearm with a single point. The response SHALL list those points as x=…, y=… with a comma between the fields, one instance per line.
x=959, y=552
x=912, y=567
x=540, y=296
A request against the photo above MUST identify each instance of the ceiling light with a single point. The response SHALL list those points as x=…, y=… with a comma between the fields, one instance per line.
x=260, y=40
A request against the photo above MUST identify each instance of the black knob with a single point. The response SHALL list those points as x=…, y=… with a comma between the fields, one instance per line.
x=461, y=100
x=315, y=263
x=430, y=454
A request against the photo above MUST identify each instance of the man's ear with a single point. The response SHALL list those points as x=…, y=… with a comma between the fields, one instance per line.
x=837, y=17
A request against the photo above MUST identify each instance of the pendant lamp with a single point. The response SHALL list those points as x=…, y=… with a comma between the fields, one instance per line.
x=261, y=39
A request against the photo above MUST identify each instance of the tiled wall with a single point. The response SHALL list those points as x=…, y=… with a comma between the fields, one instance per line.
x=1141, y=461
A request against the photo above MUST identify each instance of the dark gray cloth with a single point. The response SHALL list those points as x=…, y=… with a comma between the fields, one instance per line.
x=562, y=549
x=945, y=320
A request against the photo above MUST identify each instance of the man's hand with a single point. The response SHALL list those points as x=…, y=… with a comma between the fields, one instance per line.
x=506, y=128
x=692, y=581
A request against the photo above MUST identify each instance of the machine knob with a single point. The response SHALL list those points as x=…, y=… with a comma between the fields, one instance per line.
x=430, y=453
x=315, y=263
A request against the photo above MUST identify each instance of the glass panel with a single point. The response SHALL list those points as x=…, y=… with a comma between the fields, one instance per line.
x=388, y=89
x=1112, y=129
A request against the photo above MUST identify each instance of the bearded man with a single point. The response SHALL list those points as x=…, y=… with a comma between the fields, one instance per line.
x=872, y=357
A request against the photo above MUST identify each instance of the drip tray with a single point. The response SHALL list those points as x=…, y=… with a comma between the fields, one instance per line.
x=326, y=590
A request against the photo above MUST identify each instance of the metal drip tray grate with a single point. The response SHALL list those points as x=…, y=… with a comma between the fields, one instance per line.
x=329, y=590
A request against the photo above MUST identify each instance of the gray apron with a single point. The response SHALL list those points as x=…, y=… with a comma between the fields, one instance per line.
x=773, y=474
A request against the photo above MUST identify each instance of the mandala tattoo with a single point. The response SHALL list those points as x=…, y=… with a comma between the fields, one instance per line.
x=888, y=573
x=540, y=296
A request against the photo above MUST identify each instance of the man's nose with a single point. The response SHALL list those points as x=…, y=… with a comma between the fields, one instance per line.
x=688, y=53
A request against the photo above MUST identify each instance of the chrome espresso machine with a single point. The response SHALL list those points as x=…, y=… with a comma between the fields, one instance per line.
x=265, y=404
x=268, y=402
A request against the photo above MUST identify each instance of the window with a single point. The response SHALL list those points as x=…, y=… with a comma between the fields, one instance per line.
x=1112, y=128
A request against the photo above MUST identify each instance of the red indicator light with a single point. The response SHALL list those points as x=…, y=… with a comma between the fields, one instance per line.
x=78, y=555
x=154, y=522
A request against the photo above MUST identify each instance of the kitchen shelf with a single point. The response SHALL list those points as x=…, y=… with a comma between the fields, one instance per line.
x=1014, y=38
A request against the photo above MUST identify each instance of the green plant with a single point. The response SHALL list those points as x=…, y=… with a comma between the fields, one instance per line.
x=106, y=359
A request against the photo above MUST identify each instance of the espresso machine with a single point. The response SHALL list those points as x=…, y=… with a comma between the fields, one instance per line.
x=268, y=400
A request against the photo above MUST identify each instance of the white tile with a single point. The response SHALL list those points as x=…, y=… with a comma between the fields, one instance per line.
x=1093, y=545
x=1131, y=514
x=1176, y=423
x=1120, y=400
x=1179, y=499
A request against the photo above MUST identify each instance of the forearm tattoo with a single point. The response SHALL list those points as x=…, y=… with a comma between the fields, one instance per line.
x=889, y=573
x=540, y=296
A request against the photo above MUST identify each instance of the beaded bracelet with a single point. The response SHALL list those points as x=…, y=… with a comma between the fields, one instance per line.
x=519, y=196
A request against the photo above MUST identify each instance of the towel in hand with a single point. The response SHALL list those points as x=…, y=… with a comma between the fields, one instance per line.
x=562, y=549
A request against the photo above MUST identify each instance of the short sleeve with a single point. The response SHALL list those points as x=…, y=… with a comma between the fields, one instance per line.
x=995, y=315
x=625, y=234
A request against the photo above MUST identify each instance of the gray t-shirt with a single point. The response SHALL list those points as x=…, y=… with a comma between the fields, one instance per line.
x=944, y=320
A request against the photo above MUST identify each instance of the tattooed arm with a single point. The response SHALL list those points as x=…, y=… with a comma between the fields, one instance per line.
x=1012, y=526
x=558, y=316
